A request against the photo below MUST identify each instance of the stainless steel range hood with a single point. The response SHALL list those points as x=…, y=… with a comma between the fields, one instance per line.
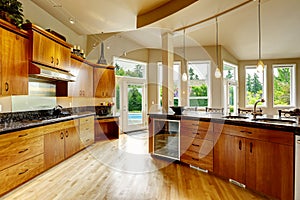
x=38, y=71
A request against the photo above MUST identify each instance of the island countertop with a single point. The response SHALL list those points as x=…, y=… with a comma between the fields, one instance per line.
x=264, y=121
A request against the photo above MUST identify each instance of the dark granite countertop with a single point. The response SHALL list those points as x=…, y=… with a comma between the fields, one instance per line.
x=11, y=126
x=264, y=121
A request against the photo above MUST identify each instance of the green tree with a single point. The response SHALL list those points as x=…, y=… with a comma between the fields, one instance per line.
x=249, y=83
x=256, y=84
x=229, y=75
x=134, y=99
x=191, y=73
x=282, y=86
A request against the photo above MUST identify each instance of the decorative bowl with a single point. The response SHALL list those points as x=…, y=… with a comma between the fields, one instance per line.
x=177, y=109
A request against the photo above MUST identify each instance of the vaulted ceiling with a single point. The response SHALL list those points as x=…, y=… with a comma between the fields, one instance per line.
x=145, y=20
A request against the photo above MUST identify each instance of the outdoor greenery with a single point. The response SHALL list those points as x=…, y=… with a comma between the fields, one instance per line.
x=137, y=72
x=197, y=91
x=134, y=99
x=254, y=88
x=282, y=83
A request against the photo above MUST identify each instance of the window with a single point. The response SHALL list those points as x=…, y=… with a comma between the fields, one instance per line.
x=284, y=85
x=130, y=68
x=230, y=87
x=176, y=84
x=198, y=83
x=255, y=85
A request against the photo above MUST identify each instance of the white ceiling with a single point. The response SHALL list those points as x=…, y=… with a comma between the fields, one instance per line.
x=238, y=29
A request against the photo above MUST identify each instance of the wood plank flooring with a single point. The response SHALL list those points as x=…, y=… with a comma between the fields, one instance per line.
x=122, y=169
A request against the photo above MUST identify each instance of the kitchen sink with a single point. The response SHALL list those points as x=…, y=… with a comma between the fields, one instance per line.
x=235, y=117
x=277, y=121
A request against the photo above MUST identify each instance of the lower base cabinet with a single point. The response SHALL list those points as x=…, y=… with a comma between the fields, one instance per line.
x=106, y=129
x=61, y=144
x=258, y=158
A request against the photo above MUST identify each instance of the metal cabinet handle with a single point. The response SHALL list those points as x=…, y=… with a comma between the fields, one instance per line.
x=251, y=147
x=23, y=135
x=23, y=151
x=196, y=145
x=61, y=135
x=240, y=145
x=67, y=134
x=247, y=132
x=23, y=172
x=52, y=59
x=57, y=61
x=6, y=86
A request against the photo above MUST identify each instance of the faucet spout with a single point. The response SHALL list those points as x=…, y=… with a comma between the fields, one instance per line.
x=255, y=113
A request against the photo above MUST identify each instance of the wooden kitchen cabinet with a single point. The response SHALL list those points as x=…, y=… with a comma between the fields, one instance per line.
x=14, y=45
x=47, y=49
x=86, y=132
x=104, y=82
x=259, y=158
x=196, y=143
x=107, y=128
x=83, y=85
x=61, y=143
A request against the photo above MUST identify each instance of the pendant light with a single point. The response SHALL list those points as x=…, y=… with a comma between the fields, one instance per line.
x=260, y=64
x=184, y=75
x=217, y=72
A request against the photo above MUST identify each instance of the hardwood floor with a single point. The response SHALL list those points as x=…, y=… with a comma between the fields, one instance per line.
x=122, y=169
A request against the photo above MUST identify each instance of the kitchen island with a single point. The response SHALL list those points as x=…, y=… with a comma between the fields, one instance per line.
x=254, y=153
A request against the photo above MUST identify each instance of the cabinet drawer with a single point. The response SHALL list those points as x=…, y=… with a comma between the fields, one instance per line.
x=11, y=138
x=86, y=140
x=197, y=129
x=276, y=136
x=18, y=174
x=87, y=127
x=86, y=120
x=197, y=145
x=20, y=151
x=198, y=160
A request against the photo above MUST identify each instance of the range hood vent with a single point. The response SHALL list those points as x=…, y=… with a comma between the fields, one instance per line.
x=38, y=71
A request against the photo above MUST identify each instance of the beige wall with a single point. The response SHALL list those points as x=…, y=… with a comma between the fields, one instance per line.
x=269, y=109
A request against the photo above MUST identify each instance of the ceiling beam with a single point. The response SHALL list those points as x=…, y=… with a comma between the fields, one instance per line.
x=163, y=11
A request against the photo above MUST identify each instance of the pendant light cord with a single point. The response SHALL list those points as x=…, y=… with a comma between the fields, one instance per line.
x=259, y=31
x=217, y=42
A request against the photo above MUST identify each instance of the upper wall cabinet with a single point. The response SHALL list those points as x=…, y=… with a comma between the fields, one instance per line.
x=104, y=82
x=14, y=60
x=83, y=85
x=48, y=49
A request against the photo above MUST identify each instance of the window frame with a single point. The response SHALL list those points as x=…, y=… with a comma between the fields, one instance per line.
x=292, y=85
x=208, y=82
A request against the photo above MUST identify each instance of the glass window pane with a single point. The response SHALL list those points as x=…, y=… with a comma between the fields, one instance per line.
x=198, y=83
x=255, y=86
x=283, y=87
x=130, y=68
x=229, y=71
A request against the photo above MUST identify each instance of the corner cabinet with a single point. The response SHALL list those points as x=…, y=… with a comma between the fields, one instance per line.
x=14, y=44
x=261, y=159
x=104, y=81
x=106, y=128
x=83, y=85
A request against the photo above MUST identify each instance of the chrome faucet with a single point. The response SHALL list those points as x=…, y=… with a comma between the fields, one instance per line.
x=255, y=113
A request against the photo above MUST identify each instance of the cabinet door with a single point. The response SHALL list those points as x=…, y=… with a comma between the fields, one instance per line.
x=43, y=49
x=62, y=57
x=229, y=157
x=269, y=168
x=72, y=141
x=104, y=82
x=14, y=64
x=74, y=89
x=54, y=148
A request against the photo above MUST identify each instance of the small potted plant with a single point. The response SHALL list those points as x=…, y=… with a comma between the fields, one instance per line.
x=12, y=11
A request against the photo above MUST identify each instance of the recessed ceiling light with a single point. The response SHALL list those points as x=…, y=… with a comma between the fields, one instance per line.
x=72, y=20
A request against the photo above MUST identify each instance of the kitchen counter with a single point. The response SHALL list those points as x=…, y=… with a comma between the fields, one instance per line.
x=270, y=122
x=11, y=126
x=106, y=116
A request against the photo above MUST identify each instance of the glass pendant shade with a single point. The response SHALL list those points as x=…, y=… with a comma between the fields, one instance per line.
x=184, y=77
x=218, y=73
x=260, y=66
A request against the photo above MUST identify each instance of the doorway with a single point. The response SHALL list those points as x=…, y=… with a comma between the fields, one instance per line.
x=132, y=104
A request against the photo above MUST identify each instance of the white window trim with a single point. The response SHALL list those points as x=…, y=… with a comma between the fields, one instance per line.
x=292, y=89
